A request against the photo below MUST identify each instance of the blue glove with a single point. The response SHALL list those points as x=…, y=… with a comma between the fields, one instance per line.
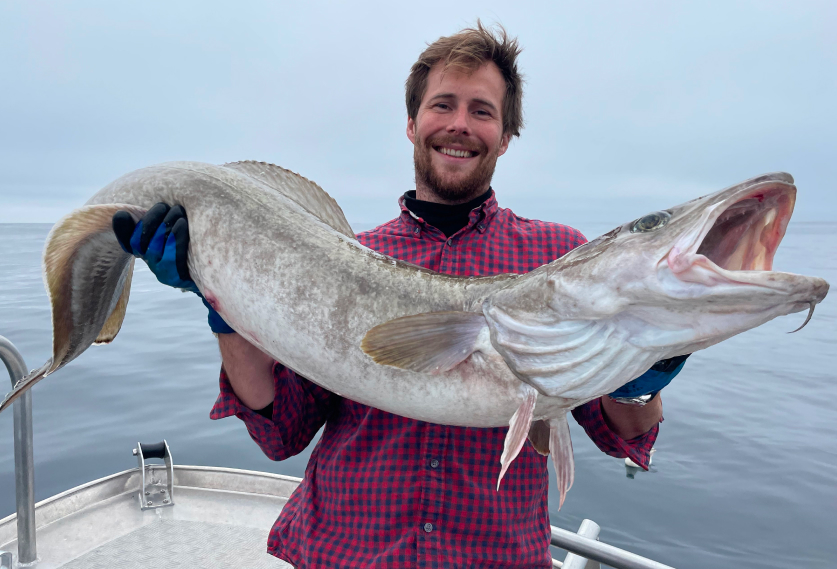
x=653, y=380
x=161, y=239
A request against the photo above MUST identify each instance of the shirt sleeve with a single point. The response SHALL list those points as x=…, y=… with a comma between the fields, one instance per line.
x=638, y=449
x=300, y=408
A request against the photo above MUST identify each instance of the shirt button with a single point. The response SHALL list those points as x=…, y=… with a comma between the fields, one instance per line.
x=428, y=527
x=416, y=231
x=450, y=242
x=434, y=463
x=480, y=226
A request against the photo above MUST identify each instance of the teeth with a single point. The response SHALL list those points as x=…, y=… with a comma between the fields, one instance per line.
x=456, y=153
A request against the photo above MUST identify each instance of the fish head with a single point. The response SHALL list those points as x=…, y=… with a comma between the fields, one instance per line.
x=690, y=276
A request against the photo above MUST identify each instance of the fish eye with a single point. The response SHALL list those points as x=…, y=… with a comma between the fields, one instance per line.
x=651, y=222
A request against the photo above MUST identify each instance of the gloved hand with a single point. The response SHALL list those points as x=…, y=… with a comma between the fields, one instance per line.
x=161, y=239
x=653, y=380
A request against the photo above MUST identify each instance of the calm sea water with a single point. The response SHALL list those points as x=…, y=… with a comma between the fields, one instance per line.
x=745, y=474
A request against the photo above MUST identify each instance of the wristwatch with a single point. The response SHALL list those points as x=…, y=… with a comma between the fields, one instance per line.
x=639, y=400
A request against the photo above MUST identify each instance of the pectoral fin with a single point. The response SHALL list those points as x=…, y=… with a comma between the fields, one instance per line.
x=561, y=449
x=518, y=430
x=433, y=342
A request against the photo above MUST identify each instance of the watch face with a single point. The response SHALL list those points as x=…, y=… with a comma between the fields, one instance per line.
x=639, y=400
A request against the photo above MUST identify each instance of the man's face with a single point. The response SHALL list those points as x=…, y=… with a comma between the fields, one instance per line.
x=458, y=133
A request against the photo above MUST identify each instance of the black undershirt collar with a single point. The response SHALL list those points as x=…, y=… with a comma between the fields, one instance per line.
x=446, y=218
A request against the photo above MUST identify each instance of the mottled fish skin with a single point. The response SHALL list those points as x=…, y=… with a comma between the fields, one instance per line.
x=275, y=257
x=306, y=293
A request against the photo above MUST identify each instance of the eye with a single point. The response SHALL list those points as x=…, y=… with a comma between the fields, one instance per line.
x=651, y=222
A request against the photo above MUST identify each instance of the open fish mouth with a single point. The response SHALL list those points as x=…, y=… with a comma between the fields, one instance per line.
x=746, y=234
x=739, y=237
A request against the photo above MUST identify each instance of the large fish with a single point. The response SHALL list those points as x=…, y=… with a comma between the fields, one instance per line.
x=274, y=255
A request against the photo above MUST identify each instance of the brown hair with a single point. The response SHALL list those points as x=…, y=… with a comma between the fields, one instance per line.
x=468, y=50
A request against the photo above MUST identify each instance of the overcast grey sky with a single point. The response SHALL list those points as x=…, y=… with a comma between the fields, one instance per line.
x=630, y=106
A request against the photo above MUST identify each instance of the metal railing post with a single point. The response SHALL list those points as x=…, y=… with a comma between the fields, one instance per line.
x=601, y=552
x=27, y=551
x=590, y=530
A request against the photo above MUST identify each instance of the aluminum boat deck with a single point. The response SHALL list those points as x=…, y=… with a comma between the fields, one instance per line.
x=220, y=519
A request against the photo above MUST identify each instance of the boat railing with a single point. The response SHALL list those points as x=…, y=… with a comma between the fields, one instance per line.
x=584, y=549
x=27, y=551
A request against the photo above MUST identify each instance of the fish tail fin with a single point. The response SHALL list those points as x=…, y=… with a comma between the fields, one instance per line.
x=87, y=275
x=114, y=322
x=88, y=278
x=24, y=384
x=561, y=449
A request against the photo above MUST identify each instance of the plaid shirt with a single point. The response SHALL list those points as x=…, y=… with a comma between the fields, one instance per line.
x=382, y=490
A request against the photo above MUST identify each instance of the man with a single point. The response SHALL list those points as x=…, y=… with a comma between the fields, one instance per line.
x=382, y=490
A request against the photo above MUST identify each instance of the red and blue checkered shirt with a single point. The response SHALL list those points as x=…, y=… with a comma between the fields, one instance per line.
x=381, y=490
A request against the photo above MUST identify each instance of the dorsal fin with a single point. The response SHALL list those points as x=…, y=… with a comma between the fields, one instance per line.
x=301, y=190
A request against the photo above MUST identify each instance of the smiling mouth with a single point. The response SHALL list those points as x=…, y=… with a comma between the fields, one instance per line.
x=455, y=153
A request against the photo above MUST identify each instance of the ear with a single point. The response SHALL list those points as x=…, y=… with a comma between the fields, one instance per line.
x=504, y=144
x=411, y=130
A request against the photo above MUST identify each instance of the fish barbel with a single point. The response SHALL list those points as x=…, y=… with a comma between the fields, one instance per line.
x=274, y=255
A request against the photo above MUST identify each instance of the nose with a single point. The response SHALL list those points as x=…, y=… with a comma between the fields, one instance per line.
x=459, y=123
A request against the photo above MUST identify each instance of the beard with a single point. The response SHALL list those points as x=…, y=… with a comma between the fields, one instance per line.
x=454, y=188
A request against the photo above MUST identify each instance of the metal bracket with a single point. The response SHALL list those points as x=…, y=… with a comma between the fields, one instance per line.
x=153, y=492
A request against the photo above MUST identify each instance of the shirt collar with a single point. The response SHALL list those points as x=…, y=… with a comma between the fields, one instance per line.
x=479, y=218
